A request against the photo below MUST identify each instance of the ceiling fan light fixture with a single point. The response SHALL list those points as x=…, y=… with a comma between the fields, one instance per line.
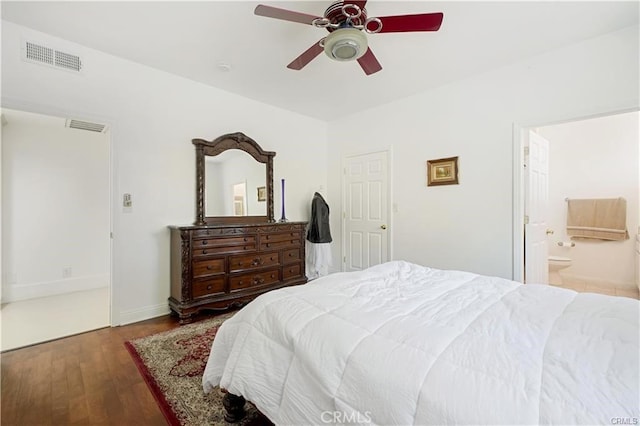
x=345, y=44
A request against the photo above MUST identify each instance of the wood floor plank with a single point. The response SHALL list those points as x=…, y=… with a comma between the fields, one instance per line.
x=59, y=392
x=78, y=411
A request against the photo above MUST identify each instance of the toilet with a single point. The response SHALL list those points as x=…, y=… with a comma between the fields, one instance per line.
x=556, y=263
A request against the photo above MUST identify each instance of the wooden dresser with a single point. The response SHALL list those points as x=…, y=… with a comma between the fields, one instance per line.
x=227, y=265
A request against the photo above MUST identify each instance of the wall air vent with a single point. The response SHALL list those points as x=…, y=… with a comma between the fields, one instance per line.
x=37, y=53
x=85, y=125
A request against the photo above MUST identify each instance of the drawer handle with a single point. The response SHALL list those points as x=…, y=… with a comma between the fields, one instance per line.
x=271, y=258
x=258, y=280
x=268, y=244
x=209, y=267
x=204, y=242
x=290, y=254
x=272, y=275
x=208, y=287
x=204, y=252
x=245, y=239
x=291, y=270
x=293, y=241
x=258, y=261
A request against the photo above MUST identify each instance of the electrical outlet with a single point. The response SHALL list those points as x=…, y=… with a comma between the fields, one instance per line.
x=67, y=272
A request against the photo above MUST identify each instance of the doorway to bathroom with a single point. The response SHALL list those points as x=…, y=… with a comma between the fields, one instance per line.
x=595, y=158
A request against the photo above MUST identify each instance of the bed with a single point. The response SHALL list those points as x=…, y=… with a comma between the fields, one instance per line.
x=401, y=344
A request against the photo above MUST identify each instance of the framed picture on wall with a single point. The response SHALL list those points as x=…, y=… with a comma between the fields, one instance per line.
x=262, y=193
x=443, y=171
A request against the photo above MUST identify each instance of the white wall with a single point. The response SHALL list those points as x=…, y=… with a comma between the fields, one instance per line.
x=596, y=158
x=469, y=226
x=153, y=116
x=55, y=188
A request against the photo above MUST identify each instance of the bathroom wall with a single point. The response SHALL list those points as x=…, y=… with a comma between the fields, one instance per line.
x=596, y=158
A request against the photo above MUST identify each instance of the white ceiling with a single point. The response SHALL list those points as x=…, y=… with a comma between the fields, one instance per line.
x=191, y=38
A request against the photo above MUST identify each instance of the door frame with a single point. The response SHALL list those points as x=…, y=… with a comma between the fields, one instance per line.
x=46, y=109
x=519, y=133
x=390, y=202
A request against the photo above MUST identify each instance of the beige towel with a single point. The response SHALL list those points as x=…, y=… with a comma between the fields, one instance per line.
x=603, y=219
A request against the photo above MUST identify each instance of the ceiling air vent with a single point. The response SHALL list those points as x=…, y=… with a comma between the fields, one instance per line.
x=33, y=52
x=85, y=125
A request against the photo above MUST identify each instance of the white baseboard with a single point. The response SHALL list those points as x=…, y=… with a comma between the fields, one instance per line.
x=144, y=313
x=15, y=293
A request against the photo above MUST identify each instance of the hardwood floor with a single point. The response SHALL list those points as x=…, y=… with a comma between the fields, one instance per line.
x=87, y=379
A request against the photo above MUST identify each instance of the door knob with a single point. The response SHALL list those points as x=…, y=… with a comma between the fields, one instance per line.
x=549, y=231
x=383, y=226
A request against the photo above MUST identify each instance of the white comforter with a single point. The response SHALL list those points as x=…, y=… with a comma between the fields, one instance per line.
x=401, y=344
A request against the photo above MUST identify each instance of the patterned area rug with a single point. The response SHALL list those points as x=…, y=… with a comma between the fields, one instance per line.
x=172, y=364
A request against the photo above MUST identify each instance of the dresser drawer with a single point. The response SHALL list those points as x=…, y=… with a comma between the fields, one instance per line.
x=208, y=287
x=205, y=268
x=267, y=245
x=220, y=232
x=254, y=279
x=256, y=260
x=280, y=236
x=201, y=243
x=289, y=256
x=209, y=246
x=279, y=244
x=292, y=271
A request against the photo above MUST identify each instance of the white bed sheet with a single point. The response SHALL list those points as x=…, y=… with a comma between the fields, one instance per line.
x=401, y=344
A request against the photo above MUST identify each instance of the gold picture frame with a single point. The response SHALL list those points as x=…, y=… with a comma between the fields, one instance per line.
x=443, y=171
x=262, y=193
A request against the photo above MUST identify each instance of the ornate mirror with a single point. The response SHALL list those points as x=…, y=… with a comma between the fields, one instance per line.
x=234, y=180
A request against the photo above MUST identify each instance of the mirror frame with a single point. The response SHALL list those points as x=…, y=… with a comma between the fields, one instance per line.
x=217, y=146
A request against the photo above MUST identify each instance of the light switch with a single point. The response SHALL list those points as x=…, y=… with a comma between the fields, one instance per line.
x=127, y=203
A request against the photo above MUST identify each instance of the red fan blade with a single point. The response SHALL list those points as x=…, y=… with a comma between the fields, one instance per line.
x=308, y=56
x=360, y=3
x=369, y=62
x=406, y=23
x=285, y=15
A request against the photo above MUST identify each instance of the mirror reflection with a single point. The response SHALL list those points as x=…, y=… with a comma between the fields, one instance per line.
x=233, y=180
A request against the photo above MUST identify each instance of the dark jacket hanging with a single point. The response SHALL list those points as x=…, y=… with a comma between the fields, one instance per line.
x=319, y=231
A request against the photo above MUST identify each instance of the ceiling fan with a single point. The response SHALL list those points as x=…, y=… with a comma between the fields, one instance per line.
x=347, y=23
